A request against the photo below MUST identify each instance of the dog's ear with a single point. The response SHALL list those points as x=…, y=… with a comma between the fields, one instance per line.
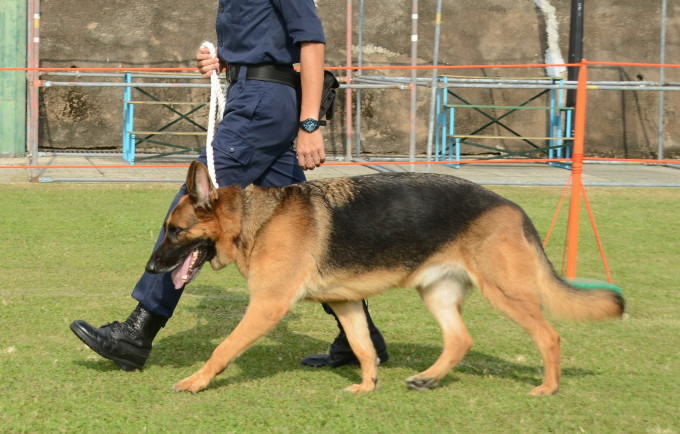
x=199, y=186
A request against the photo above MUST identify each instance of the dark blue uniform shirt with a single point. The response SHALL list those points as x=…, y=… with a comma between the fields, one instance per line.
x=265, y=31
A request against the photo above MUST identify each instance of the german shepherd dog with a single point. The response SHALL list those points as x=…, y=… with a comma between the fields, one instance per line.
x=339, y=241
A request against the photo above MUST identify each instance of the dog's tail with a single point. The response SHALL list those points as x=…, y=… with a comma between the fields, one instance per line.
x=564, y=301
x=533, y=272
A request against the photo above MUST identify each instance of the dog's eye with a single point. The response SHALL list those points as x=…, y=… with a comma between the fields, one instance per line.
x=175, y=230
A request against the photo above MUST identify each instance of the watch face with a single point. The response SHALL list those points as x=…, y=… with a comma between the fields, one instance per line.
x=309, y=125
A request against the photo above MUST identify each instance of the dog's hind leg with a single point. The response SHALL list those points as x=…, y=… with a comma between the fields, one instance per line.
x=353, y=319
x=444, y=298
x=262, y=315
x=510, y=268
x=525, y=310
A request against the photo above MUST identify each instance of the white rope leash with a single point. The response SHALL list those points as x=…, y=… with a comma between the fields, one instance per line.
x=217, y=104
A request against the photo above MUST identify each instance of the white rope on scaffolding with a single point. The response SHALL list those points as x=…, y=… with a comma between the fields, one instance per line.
x=217, y=104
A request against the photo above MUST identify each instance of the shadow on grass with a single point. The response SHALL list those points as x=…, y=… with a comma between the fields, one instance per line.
x=101, y=365
x=420, y=357
x=214, y=320
x=283, y=349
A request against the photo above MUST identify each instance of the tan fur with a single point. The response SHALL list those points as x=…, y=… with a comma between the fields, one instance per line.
x=279, y=238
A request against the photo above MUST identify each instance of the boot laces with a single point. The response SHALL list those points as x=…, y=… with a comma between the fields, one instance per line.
x=134, y=322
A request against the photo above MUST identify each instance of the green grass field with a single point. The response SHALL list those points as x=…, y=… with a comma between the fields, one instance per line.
x=75, y=251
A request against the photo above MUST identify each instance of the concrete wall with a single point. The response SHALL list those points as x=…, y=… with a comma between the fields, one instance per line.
x=140, y=34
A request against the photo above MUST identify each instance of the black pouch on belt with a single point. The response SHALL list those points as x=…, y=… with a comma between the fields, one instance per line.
x=330, y=83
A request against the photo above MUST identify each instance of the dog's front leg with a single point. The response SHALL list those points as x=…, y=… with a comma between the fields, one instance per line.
x=260, y=318
x=353, y=320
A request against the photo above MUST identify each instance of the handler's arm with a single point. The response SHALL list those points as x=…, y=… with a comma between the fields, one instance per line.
x=310, y=146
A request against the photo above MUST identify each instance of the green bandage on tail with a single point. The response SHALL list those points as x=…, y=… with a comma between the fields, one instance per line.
x=586, y=284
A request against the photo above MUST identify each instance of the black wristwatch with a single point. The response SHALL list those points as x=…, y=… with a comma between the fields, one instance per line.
x=310, y=125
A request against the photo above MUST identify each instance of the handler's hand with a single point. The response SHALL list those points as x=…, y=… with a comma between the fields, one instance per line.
x=310, y=149
x=206, y=64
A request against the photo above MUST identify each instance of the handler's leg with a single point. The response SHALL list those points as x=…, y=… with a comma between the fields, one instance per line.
x=340, y=353
x=129, y=343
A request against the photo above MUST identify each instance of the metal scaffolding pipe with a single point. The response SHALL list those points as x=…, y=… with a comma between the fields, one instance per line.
x=531, y=84
x=47, y=179
x=363, y=78
x=433, y=90
x=592, y=85
x=414, y=58
x=196, y=85
x=348, y=80
x=114, y=84
x=364, y=82
x=662, y=60
x=360, y=62
x=33, y=83
x=123, y=74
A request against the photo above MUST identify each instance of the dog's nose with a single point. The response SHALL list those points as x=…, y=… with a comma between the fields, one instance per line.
x=151, y=267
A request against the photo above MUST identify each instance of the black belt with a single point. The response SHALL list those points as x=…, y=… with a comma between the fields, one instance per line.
x=284, y=74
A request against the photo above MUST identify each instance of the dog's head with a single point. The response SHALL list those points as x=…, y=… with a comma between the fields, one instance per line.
x=193, y=230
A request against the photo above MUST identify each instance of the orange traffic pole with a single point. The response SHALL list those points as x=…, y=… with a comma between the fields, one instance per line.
x=576, y=171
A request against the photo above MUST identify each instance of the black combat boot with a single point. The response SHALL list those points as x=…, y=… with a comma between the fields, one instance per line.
x=340, y=352
x=128, y=343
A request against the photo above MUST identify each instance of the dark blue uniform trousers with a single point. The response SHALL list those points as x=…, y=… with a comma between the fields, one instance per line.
x=252, y=145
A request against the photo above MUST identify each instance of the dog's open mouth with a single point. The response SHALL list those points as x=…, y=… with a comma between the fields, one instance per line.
x=189, y=268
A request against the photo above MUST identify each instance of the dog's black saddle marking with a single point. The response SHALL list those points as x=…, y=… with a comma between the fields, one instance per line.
x=400, y=219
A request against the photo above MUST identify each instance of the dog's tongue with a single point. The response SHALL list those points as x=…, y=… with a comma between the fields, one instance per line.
x=182, y=274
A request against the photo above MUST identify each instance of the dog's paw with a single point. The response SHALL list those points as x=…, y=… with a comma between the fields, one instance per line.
x=416, y=383
x=193, y=384
x=361, y=388
x=545, y=389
